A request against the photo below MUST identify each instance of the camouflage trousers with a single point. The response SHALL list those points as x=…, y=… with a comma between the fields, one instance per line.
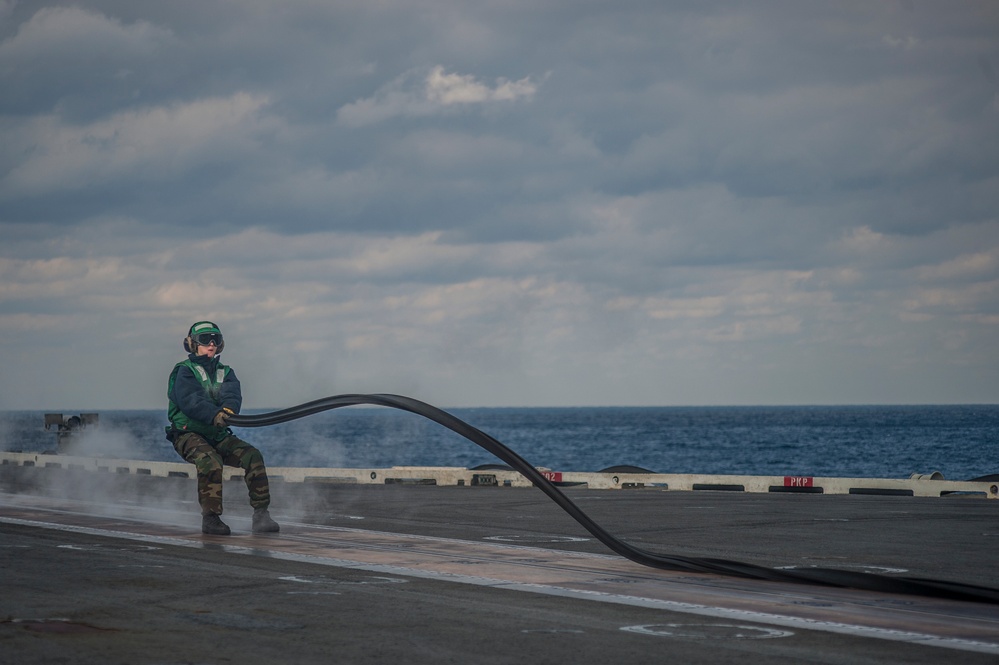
x=209, y=458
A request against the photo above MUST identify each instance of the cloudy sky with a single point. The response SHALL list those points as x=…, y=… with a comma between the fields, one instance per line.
x=502, y=202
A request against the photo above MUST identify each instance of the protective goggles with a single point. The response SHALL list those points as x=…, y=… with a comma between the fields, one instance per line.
x=204, y=339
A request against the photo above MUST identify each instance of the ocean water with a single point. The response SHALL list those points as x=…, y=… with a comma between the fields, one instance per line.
x=961, y=442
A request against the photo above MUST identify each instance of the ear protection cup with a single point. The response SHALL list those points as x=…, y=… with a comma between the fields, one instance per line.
x=192, y=347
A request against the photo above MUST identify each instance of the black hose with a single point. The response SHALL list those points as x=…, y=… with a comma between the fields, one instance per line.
x=822, y=576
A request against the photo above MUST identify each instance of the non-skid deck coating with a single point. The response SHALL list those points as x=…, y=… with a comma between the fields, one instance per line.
x=112, y=567
x=776, y=607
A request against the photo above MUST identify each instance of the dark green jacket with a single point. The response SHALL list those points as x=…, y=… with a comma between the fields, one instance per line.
x=199, y=388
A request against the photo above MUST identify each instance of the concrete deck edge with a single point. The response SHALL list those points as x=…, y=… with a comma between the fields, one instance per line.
x=918, y=485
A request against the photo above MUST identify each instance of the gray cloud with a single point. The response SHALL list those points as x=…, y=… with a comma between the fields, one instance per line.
x=499, y=203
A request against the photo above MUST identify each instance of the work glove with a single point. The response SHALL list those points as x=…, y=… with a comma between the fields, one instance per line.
x=222, y=416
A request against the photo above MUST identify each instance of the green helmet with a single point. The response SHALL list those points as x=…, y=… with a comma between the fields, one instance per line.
x=201, y=333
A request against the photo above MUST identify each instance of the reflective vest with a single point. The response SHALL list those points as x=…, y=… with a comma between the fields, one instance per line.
x=212, y=383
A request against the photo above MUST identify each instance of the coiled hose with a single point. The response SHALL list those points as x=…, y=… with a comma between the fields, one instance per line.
x=820, y=576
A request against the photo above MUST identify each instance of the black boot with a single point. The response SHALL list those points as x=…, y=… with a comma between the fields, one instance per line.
x=211, y=524
x=262, y=522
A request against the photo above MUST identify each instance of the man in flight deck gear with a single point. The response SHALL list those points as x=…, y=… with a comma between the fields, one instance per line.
x=202, y=394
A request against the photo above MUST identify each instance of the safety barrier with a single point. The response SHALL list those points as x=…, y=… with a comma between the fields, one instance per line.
x=917, y=485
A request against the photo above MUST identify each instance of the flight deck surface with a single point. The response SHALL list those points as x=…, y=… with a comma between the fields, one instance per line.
x=121, y=573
